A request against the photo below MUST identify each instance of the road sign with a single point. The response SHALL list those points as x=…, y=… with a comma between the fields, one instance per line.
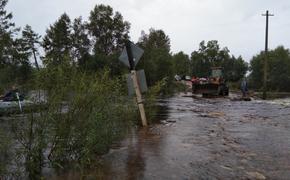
x=137, y=53
x=130, y=57
x=141, y=81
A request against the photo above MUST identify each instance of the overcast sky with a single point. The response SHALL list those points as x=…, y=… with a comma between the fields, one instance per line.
x=237, y=24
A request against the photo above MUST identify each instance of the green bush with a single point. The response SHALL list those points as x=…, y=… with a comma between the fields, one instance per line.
x=84, y=115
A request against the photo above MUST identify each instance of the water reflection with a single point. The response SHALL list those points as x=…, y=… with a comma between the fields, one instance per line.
x=135, y=164
x=201, y=139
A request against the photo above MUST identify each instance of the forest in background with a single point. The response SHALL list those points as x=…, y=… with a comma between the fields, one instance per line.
x=94, y=44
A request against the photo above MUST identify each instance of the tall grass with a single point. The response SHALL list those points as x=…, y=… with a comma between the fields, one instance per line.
x=84, y=115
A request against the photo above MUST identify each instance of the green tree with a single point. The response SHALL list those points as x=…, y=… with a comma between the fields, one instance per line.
x=181, y=64
x=14, y=57
x=31, y=42
x=234, y=68
x=256, y=69
x=81, y=42
x=58, y=42
x=211, y=55
x=207, y=56
x=99, y=62
x=156, y=60
x=7, y=29
x=108, y=30
x=278, y=69
x=21, y=66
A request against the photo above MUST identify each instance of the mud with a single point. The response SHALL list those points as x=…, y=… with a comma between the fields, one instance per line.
x=200, y=138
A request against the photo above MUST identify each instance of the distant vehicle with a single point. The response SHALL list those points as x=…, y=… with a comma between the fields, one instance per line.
x=183, y=77
x=214, y=85
x=187, y=78
x=177, y=77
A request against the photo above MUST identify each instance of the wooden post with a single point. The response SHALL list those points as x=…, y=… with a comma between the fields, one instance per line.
x=139, y=97
x=136, y=84
x=266, y=56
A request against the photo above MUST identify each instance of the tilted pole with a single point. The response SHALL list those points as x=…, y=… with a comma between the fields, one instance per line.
x=136, y=84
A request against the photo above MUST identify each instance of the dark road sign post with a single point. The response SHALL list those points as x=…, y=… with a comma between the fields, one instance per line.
x=130, y=57
x=136, y=53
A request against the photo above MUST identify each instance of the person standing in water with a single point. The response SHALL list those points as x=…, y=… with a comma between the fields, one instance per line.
x=244, y=87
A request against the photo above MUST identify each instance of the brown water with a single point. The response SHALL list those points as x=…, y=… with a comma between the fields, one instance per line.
x=201, y=138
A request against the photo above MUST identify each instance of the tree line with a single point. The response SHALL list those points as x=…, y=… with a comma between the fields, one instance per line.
x=278, y=70
x=94, y=44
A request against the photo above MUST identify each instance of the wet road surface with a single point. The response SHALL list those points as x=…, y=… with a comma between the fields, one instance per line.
x=201, y=138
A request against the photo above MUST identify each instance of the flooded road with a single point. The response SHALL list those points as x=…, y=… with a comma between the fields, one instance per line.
x=201, y=138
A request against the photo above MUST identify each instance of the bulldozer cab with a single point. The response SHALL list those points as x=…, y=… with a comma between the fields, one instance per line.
x=215, y=85
x=216, y=72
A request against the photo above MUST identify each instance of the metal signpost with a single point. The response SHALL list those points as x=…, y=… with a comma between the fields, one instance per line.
x=141, y=81
x=136, y=53
x=130, y=57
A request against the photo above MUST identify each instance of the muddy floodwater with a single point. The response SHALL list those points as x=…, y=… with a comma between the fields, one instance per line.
x=201, y=138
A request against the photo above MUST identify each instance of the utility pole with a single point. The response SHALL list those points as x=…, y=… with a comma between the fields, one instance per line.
x=266, y=55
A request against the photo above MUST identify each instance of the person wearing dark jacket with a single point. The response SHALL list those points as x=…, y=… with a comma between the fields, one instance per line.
x=12, y=95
